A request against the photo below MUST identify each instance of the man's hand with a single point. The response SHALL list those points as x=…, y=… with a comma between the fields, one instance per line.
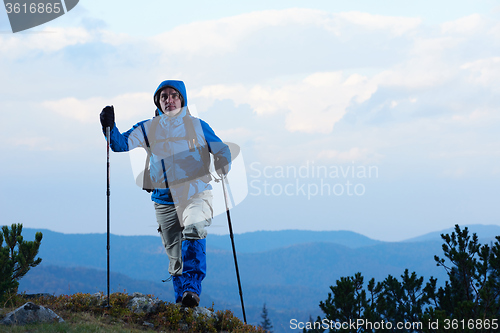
x=221, y=165
x=108, y=117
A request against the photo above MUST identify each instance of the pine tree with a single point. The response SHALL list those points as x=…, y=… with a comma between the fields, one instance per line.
x=473, y=289
x=346, y=302
x=266, y=322
x=405, y=300
x=17, y=257
x=470, y=297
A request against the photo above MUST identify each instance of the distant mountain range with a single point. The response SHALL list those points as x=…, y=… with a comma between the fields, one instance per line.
x=485, y=233
x=289, y=270
x=262, y=241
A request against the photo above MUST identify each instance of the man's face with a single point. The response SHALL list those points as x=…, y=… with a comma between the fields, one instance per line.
x=170, y=101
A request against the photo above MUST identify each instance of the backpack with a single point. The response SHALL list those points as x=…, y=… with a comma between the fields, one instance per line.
x=193, y=144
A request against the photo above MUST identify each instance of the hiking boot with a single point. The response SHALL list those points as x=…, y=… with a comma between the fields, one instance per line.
x=190, y=299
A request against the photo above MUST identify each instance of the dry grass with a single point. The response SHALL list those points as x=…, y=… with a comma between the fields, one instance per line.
x=86, y=313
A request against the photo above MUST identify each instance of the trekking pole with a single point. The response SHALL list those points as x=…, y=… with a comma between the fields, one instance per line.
x=108, y=195
x=234, y=249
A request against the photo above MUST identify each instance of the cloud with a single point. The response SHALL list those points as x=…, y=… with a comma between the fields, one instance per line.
x=42, y=143
x=217, y=37
x=311, y=105
x=454, y=173
x=356, y=154
x=466, y=25
x=485, y=72
x=397, y=26
x=426, y=65
x=222, y=60
x=415, y=75
x=237, y=134
x=321, y=100
x=127, y=107
x=482, y=116
x=48, y=40
x=431, y=59
x=221, y=36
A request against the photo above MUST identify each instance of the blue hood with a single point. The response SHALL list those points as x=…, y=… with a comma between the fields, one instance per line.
x=177, y=85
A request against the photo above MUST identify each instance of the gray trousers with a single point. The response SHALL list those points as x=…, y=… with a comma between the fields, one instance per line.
x=178, y=223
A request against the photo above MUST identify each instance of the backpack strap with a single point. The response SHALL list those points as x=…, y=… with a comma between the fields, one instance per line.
x=193, y=143
x=146, y=180
x=191, y=136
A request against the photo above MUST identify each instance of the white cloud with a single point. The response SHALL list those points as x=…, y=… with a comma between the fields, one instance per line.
x=356, y=154
x=117, y=39
x=127, y=107
x=466, y=153
x=309, y=101
x=321, y=100
x=465, y=25
x=479, y=115
x=397, y=26
x=32, y=142
x=414, y=75
x=425, y=67
x=223, y=35
x=454, y=173
x=48, y=40
x=485, y=72
x=237, y=134
x=312, y=105
x=434, y=46
x=221, y=91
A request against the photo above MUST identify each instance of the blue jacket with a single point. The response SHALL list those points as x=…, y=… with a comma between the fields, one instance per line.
x=178, y=171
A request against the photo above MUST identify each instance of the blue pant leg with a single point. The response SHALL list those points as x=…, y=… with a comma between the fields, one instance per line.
x=195, y=264
x=178, y=282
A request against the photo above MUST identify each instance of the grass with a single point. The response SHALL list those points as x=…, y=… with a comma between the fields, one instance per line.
x=86, y=313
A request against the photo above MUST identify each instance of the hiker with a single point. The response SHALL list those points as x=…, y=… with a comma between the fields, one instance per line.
x=178, y=147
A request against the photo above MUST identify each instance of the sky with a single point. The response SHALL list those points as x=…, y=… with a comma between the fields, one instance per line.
x=378, y=117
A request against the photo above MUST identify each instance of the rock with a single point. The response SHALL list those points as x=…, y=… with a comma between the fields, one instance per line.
x=200, y=311
x=97, y=299
x=97, y=296
x=148, y=324
x=31, y=313
x=141, y=303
